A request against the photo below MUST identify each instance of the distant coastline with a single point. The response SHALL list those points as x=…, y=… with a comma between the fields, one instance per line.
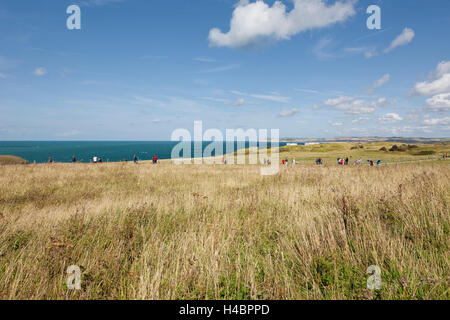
x=366, y=140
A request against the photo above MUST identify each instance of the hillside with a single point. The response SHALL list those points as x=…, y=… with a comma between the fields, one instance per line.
x=7, y=160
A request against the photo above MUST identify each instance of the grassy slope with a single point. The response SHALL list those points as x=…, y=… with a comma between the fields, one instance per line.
x=224, y=232
x=330, y=152
x=7, y=160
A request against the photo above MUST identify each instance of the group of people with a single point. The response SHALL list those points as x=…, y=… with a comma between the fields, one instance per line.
x=154, y=159
x=345, y=162
x=286, y=162
x=97, y=160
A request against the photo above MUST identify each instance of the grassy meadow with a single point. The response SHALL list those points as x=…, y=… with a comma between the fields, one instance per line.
x=225, y=232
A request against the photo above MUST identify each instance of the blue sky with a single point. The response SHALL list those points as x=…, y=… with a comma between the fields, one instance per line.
x=139, y=69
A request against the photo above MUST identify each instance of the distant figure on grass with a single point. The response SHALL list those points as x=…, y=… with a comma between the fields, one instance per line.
x=282, y=161
x=319, y=162
x=135, y=159
x=293, y=162
x=155, y=159
x=379, y=163
x=371, y=163
x=50, y=160
x=74, y=159
x=95, y=159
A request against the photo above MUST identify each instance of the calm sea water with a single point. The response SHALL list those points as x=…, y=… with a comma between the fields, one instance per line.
x=63, y=151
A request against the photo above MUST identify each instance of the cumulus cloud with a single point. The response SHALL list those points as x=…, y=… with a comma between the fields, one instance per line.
x=442, y=68
x=288, y=113
x=427, y=88
x=404, y=38
x=439, y=103
x=390, y=117
x=351, y=105
x=253, y=22
x=40, y=72
x=439, y=81
x=441, y=121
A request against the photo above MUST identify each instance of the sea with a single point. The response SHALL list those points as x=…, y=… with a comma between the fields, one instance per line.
x=109, y=151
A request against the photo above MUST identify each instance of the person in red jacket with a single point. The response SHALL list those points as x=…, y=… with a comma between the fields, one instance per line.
x=155, y=159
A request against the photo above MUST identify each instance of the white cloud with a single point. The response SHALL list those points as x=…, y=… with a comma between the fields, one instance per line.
x=204, y=59
x=370, y=54
x=440, y=85
x=336, y=124
x=351, y=105
x=390, y=117
x=439, y=81
x=307, y=91
x=381, y=81
x=360, y=119
x=253, y=22
x=238, y=102
x=442, y=68
x=404, y=38
x=288, y=113
x=442, y=121
x=220, y=69
x=439, y=103
x=92, y=3
x=40, y=72
x=274, y=98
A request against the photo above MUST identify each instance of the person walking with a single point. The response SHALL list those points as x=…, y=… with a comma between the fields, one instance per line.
x=135, y=159
x=155, y=159
x=74, y=159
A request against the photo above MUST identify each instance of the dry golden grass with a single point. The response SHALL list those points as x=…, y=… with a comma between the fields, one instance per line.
x=8, y=160
x=224, y=232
